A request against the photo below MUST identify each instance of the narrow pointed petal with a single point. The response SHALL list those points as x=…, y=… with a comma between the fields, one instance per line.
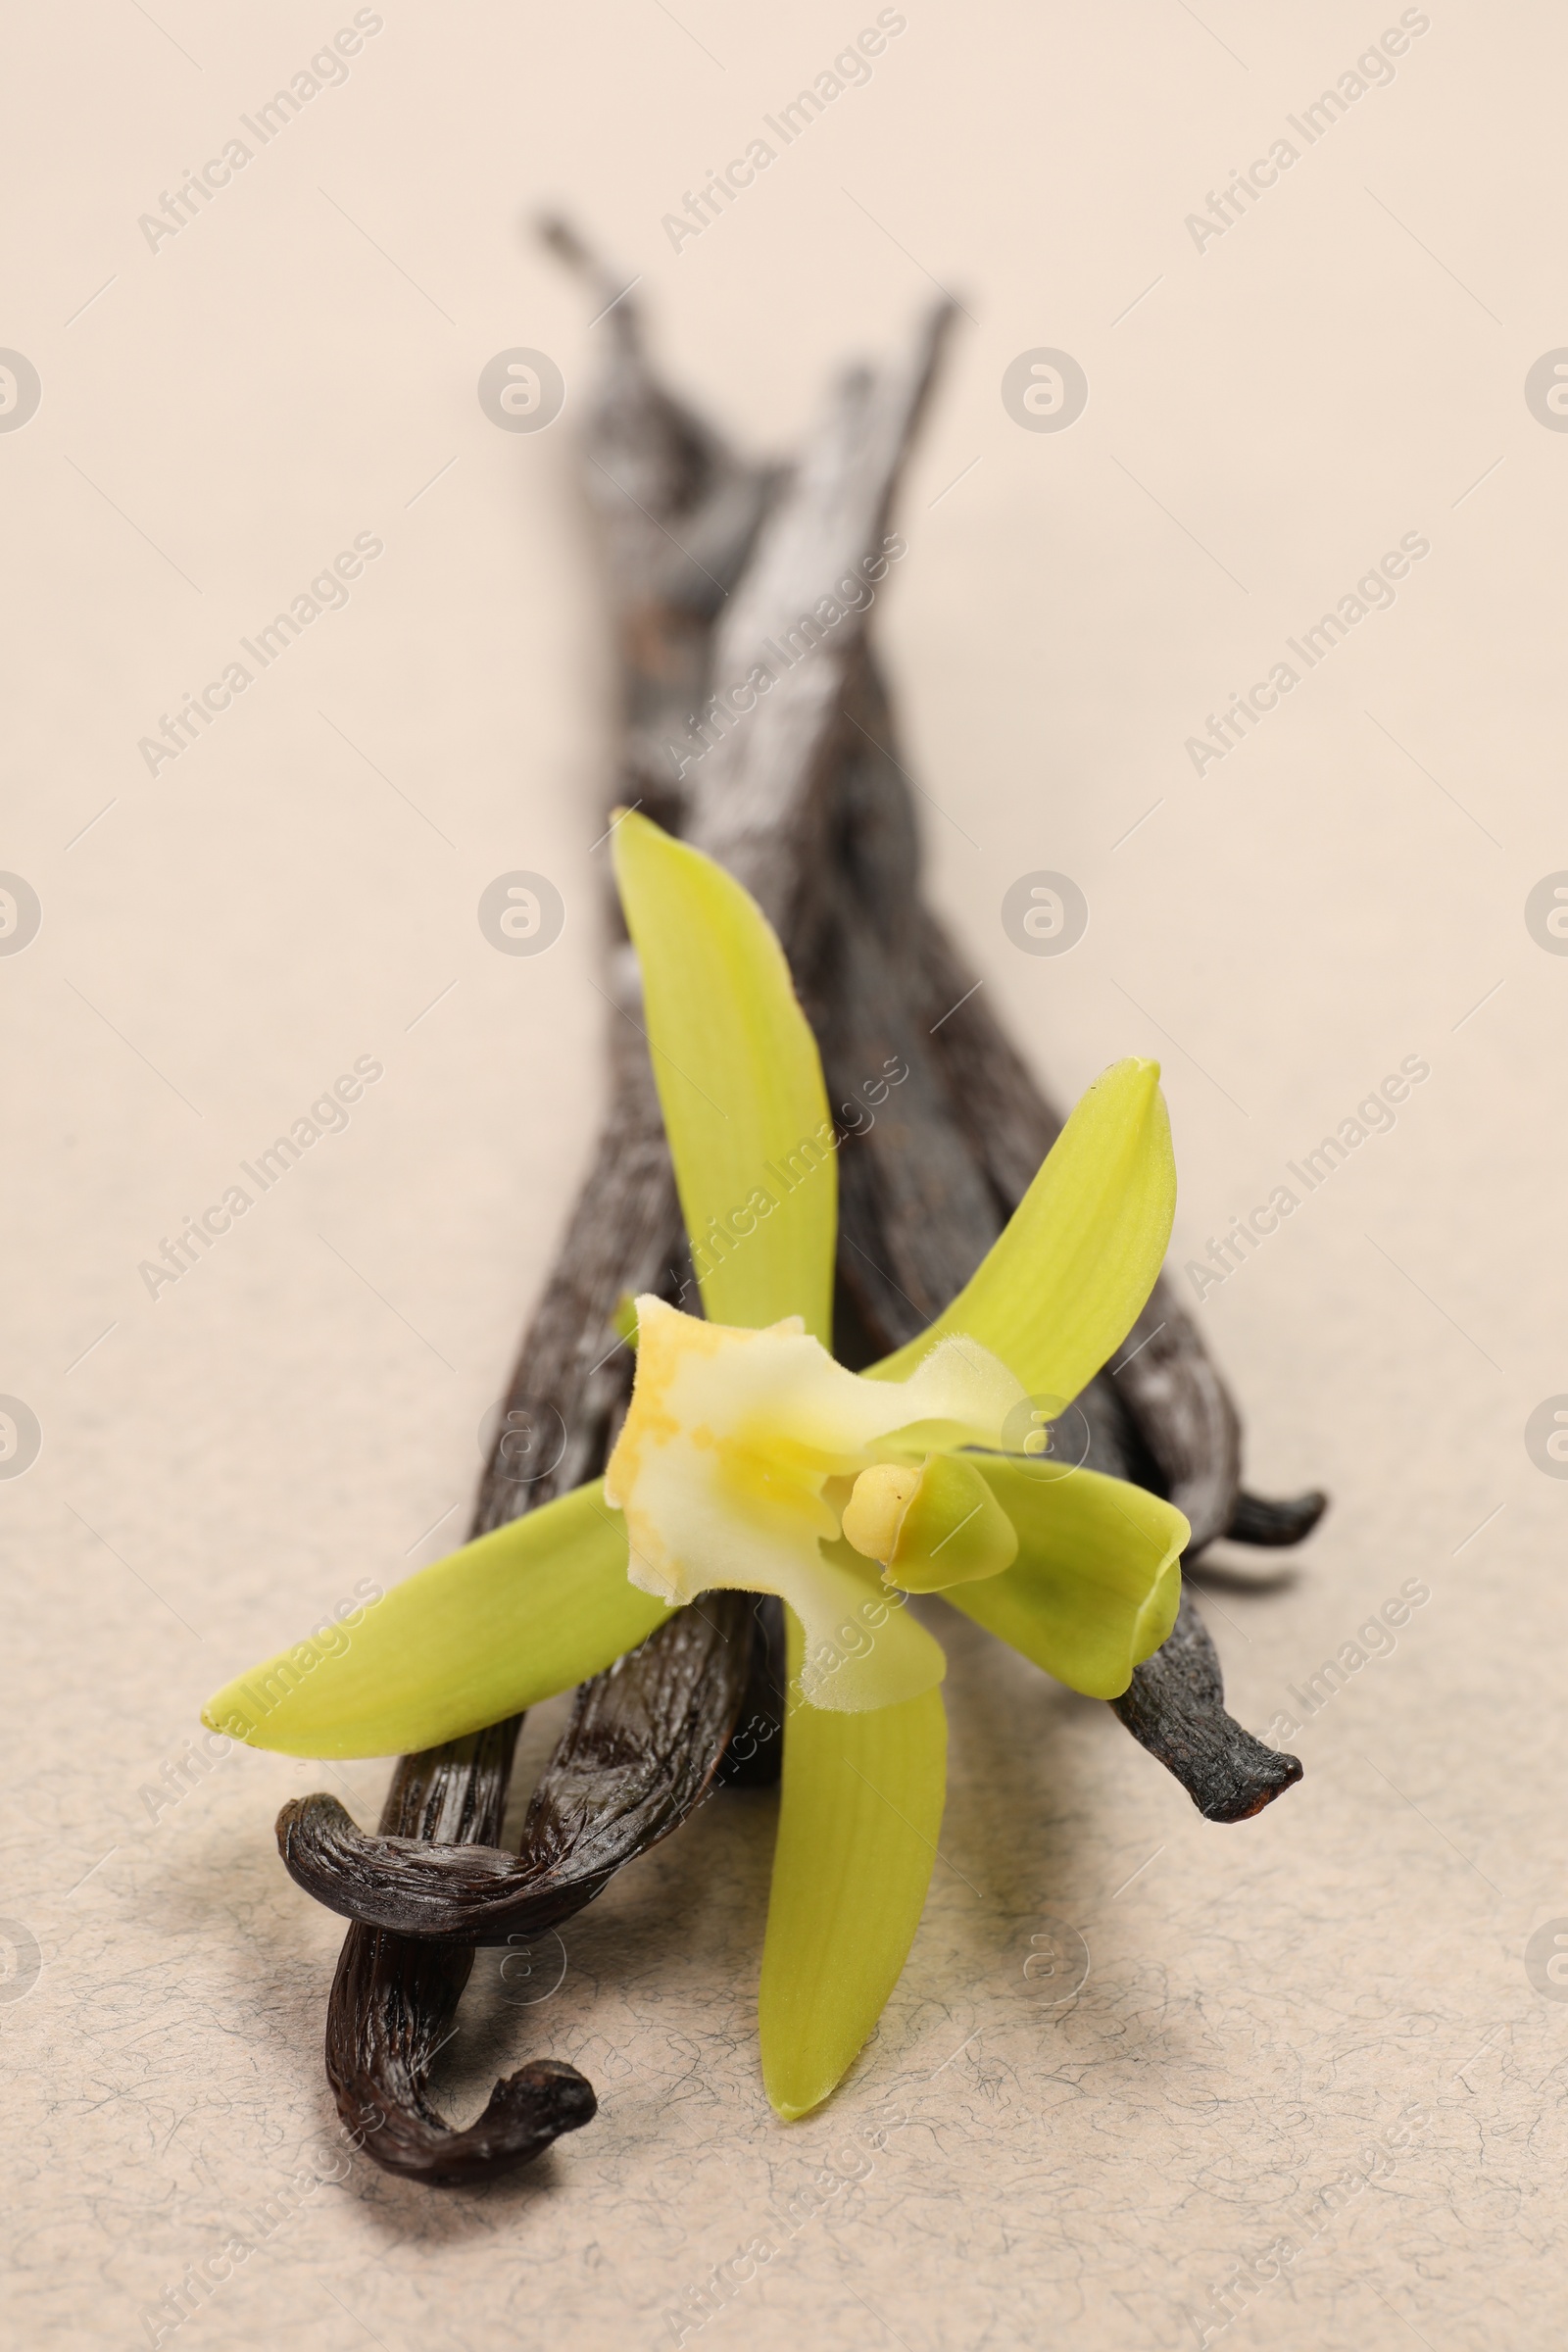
x=510, y=1620
x=1063, y=1286
x=860, y=1815
x=1098, y=1579
x=740, y=1083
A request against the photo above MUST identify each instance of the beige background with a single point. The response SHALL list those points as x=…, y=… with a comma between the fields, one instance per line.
x=1344, y=366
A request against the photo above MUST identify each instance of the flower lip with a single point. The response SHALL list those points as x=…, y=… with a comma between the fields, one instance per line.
x=770, y=1417
x=740, y=1448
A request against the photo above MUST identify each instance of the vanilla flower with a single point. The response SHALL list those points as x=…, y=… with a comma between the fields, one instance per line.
x=749, y=1459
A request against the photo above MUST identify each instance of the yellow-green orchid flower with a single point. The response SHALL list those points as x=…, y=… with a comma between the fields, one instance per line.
x=749, y=1459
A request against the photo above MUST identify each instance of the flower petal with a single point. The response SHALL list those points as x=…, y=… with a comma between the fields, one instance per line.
x=720, y=1469
x=740, y=1082
x=1097, y=1583
x=1063, y=1286
x=863, y=1650
x=508, y=1621
x=730, y=1430
x=860, y=1815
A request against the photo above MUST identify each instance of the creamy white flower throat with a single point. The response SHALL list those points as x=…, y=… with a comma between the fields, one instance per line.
x=742, y=1456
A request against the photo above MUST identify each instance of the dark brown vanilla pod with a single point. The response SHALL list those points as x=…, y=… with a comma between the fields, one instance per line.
x=754, y=1756
x=926, y=1184
x=391, y=2010
x=393, y=2002
x=645, y=1741
x=964, y=1133
x=1169, y=1385
x=1255, y=1520
x=1176, y=1708
x=806, y=802
x=677, y=513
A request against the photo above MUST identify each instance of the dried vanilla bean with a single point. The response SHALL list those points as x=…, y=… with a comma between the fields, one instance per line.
x=678, y=516
x=394, y=2000
x=1176, y=1707
x=645, y=1741
x=755, y=1752
x=917, y=1214
x=1254, y=1520
x=808, y=805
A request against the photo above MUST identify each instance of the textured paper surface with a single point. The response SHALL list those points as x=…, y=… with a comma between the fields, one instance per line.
x=1269, y=411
